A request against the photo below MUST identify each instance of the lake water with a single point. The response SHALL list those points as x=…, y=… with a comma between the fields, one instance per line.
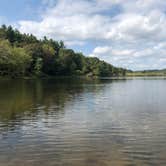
x=72, y=122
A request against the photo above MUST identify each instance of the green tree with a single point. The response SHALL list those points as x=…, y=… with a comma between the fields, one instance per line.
x=38, y=66
x=20, y=61
x=5, y=57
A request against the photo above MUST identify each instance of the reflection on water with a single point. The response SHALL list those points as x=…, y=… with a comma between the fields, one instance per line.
x=72, y=122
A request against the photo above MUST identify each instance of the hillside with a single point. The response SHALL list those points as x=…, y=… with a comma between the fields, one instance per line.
x=156, y=72
x=25, y=55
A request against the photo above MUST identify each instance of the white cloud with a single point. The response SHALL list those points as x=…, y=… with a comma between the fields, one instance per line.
x=136, y=58
x=102, y=50
x=75, y=43
x=133, y=32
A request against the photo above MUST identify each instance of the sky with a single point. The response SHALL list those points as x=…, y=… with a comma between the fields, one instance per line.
x=125, y=33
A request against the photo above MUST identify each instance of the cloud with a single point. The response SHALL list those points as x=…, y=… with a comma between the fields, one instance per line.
x=69, y=20
x=135, y=58
x=126, y=33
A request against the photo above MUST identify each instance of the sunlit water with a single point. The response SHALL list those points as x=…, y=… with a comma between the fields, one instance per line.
x=69, y=122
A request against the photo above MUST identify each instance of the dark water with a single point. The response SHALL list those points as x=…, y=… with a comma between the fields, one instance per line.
x=70, y=122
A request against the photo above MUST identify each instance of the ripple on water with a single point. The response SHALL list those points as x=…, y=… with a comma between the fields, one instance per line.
x=78, y=123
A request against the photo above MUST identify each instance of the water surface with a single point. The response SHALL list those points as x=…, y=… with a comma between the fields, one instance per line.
x=72, y=122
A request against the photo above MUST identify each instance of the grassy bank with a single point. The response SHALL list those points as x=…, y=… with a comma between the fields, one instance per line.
x=147, y=74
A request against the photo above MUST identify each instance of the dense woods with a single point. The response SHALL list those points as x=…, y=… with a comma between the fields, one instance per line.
x=25, y=55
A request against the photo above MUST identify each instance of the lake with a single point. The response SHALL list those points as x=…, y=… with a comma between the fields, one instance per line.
x=77, y=122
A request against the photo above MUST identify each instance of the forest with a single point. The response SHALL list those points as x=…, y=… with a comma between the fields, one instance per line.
x=26, y=55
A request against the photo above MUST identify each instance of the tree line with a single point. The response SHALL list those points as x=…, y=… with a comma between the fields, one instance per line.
x=25, y=55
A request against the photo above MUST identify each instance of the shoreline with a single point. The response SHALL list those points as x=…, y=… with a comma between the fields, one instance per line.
x=133, y=76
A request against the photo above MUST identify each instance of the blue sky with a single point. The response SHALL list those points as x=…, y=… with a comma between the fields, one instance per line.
x=126, y=33
x=16, y=10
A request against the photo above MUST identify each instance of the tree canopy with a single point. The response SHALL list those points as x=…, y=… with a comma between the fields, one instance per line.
x=25, y=55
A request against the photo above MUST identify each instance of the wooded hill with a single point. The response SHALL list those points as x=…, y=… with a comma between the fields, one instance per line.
x=25, y=55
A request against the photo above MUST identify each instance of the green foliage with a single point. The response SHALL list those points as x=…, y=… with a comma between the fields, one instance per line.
x=13, y=61
x=24, y=54
x=5, y=57
x=68, y=65
x=38, y=66
x=21, y=61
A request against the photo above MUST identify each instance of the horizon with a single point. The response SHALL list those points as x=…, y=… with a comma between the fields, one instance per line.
x=126, y=34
